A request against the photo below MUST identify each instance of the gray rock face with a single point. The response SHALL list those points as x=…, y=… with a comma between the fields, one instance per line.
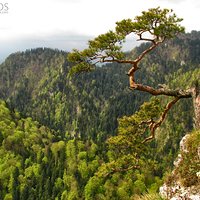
x=176, y=191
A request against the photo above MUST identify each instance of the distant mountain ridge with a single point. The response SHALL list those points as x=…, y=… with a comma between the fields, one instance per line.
x=35, y=83
x=53, y=129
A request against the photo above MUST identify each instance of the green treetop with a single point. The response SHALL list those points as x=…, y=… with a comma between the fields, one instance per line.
x=154, y=26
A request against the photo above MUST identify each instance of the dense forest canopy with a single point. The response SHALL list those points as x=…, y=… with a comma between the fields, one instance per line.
x=154, y=26
x=54, y=130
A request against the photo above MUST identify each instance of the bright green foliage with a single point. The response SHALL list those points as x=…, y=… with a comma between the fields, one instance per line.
x=139, y=187
x=36, y=164
x=132, y=129
x=90, y=104
x=148, y=197
x=93, y=188
x=104, y=46
x=127, y=146
x=129, y=154
x=59, y=155
x=190, y=163
x=159, y=23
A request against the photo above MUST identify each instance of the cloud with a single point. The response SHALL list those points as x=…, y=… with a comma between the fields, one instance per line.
x=174, y=1
x=192, y=2
x=68, y=24
x=68, y=1
x=62, y=41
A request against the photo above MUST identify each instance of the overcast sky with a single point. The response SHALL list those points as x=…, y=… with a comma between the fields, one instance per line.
x=68, y=24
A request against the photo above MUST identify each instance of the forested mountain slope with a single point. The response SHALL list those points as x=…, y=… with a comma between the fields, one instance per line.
x=35, y=83
x=35, y=163
x=64, y=148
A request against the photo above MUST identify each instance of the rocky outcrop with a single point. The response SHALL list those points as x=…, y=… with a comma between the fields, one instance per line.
x=178, y=192
x=174, y=189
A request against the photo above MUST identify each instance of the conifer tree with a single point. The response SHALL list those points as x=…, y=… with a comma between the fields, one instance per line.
x=154, y=26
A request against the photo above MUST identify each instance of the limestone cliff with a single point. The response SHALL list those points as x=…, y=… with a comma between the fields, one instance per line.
x=184, y=182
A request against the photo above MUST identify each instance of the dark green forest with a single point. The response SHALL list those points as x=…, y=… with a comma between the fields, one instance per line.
x=56, y=132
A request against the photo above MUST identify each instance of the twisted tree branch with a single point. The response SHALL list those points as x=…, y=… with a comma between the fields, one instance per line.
x=161, y=91
x=154, y=125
